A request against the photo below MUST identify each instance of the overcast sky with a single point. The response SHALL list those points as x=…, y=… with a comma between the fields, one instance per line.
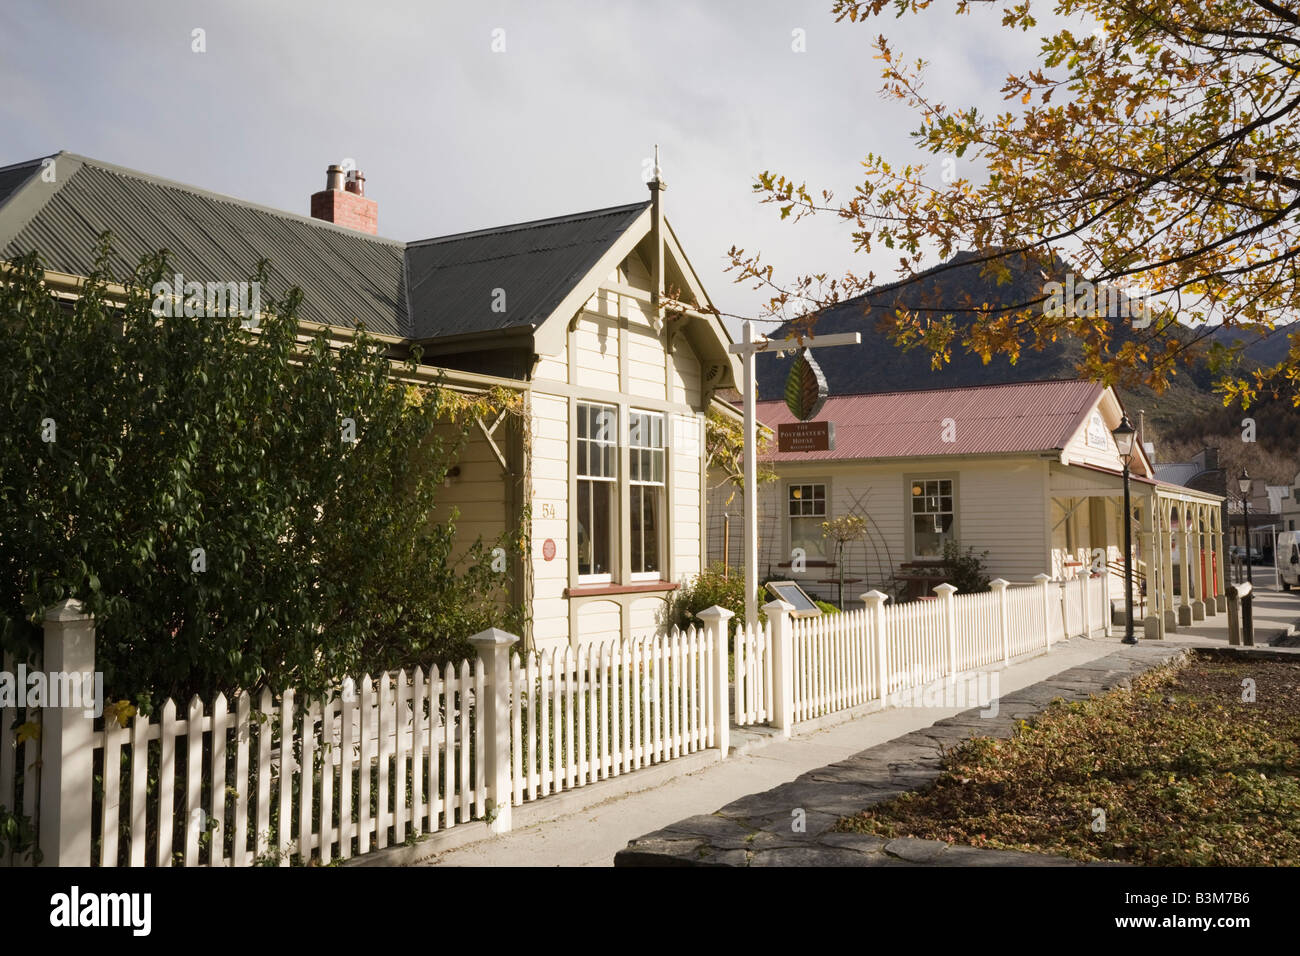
x=453, y=136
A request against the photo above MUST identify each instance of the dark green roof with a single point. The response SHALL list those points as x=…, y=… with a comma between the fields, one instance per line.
x=427, y=289
x=453, y=280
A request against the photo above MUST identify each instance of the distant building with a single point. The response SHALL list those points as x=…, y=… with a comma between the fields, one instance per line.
x=1028, y=472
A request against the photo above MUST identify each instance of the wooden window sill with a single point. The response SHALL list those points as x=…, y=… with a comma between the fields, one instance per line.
x=595, y=590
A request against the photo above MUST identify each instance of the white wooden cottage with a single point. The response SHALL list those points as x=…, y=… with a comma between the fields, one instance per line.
x=1028, y=472
x=607, y=468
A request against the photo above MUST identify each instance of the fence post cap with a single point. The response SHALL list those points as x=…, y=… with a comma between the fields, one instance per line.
x=943, y=590
x=69, y=609
x=493, y=637
x=715, y=613
x=778, y=606
x=999, y=584
x=873, y=596
x=1042, y=577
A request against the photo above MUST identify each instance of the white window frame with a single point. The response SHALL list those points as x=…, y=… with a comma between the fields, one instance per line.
x=662, y=485
x=581, y=407
x=909, y=482
x=825, y=515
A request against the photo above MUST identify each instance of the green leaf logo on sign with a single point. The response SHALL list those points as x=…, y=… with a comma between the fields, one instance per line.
x=805, y=388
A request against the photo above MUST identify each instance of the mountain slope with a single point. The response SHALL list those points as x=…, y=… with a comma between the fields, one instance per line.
x=1188, y=408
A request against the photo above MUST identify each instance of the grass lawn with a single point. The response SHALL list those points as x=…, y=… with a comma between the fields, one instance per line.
x=1186, y=772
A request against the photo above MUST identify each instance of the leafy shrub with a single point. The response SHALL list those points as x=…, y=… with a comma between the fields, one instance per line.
x=711, y=586
x=174, y=434
x=827, y=607
x=965, y=571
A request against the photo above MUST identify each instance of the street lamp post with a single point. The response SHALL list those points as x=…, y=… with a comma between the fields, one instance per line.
x=1123, y=435
x=1243, y=485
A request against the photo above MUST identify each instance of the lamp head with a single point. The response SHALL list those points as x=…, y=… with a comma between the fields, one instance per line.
x=1123, y=434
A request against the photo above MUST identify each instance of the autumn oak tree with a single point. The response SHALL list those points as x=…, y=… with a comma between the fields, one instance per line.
x=1152, y=148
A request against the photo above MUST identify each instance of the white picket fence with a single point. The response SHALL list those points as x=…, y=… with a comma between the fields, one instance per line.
x=279, y=781
x=607, y=709
x=1085, y=604
x=838, y=661
x=752, y=677
x=833, y=666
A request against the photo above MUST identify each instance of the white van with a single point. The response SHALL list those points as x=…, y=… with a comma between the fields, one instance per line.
x=1287, y=556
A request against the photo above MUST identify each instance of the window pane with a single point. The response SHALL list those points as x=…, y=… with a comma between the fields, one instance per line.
x=584, y=527
x=605, y=425
x=645, y=506
x=806, y=533
x=595, y=527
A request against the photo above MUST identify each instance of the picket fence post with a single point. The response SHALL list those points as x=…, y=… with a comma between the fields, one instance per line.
x=493, y=647
x=999, y=586
x=875, y=603
x=1084, y=580
x=1042, y=580
x=67, y=747
x=945, y=592
x=1106, y=612
x=716, y=620
x=781, y=714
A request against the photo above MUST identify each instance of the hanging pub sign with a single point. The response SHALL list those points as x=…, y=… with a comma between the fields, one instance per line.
x=805, y=394
x=806, y=436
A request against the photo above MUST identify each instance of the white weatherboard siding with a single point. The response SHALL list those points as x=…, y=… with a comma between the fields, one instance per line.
x=597, y=352
x=647, y=616
x=479, y=493
x=686, y=435
x=1001, y=507
x=550, y=514
x=1002, y=510
x=613, y=356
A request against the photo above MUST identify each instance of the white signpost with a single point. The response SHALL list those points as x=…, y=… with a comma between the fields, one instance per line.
x=747, y=348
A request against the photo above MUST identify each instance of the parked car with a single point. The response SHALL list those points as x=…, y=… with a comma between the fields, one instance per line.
x=1257, y=556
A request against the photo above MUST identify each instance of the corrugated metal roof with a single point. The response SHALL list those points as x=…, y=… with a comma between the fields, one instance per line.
x=987, y=419
x=437, y=287
x=453, y=279
x=347, y=277
x=11, y=177
x=1178, y=473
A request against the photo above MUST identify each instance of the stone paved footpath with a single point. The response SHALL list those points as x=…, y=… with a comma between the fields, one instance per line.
x=757, y=830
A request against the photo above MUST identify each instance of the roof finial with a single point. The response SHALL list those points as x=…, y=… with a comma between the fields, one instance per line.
x=656, y=180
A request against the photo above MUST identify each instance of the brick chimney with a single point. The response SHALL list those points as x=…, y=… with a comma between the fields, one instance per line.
x=345, y=203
